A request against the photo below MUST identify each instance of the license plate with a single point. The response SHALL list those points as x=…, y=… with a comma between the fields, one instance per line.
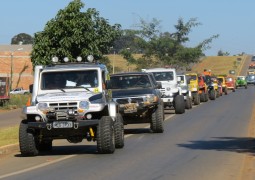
x=62, y=124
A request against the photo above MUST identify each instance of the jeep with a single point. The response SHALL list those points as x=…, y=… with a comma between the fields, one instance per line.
x=139, y=99
x=241, y=81
x=230, y=83
x=70, y=101
x=171, y=92
x=192, y=79
x=203, y=88
x=212, y=85
x=185, y=91
x=222, y=80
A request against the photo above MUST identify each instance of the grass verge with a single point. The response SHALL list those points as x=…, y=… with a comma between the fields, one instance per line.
x=9, y=135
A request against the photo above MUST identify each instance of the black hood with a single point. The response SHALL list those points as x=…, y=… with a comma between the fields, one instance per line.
x=131, y=92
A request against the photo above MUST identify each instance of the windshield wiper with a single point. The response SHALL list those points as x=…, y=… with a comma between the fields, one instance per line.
x=75, y=87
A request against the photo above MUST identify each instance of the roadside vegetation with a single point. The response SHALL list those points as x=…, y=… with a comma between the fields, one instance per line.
x=16, y=101
x=9, y=135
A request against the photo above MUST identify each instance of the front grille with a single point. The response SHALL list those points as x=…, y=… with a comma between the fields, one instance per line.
x=64, y=106
x=129, y=100
x=163, y=90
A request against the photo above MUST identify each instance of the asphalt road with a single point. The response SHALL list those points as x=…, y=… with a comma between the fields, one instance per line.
x=10, y=118
x=209, y=141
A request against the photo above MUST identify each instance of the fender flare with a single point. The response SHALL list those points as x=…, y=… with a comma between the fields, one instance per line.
x=112, y=109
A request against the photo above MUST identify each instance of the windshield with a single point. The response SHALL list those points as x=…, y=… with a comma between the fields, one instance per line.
x=181, y=79
x=208, y=80
x=251, y=77
x=164, y=76
x=220, y=80
x=130, y=81
x=240, y=78
x=63, y=79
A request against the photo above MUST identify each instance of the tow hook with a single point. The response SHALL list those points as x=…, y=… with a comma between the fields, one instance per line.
x=92, y=134
x=75, y=125
x=49, y=126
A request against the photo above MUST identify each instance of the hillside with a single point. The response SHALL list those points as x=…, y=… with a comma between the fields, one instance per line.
x=220, y=64
x=217, y=64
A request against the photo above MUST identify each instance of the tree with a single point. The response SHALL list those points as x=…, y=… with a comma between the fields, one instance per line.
x=221, y=53
x=167, y=48
x=22, y=38
x=73, y=33
x=128, y=39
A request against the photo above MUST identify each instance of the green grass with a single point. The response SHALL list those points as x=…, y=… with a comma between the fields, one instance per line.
x=9, y=135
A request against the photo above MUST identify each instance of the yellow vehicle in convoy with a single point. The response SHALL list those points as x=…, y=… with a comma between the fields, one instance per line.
x=192, y=79
x=222, y=81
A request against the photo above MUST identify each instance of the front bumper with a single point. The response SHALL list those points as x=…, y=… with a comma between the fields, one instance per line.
x=75, y=124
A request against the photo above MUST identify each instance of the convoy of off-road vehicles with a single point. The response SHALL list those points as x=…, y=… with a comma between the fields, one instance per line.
x=77, y=101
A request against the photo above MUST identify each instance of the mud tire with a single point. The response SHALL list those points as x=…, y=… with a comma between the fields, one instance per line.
x=105, y=136
x=157, y=119
x=179, y=104
x=119, y=132
x=27, y=142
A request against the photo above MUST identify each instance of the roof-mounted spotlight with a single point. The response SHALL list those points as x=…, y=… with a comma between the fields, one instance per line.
x=66, y=59
x=79, y=59
x=90, y=58
x=54, y=59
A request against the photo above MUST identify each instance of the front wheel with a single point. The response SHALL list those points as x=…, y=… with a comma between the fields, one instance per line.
x=196, y=99
x=179, y=104
x=226, y=91
x=157, y=119
x=119, y=131
x=27, y=142
x=212, y=94
x=188, y=103
x=105, y=135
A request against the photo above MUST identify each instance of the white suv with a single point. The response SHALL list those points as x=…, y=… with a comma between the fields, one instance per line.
x=171, y=93
x=70, y=101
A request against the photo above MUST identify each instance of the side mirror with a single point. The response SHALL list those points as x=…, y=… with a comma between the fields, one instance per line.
x=108, y=84
x=31, y=88
x=179, y=79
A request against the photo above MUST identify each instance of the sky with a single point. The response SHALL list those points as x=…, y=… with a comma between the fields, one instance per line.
x=232, y=20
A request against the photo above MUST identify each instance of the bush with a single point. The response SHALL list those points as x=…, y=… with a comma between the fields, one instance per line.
x=16, y=101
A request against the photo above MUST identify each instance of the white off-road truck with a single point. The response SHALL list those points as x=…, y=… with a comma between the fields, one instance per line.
x=185, y=91
x=171, y=92
x=70, y=101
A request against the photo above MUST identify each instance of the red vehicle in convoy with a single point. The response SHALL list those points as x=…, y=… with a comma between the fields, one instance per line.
x=231, y=83
x=203, y=91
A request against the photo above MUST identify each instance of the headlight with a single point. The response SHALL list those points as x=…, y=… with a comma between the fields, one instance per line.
x=84, y=105
x=42, y=106
x=168, y=88
x=151, y=98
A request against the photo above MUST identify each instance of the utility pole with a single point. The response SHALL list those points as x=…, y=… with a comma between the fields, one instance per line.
x=11, y=71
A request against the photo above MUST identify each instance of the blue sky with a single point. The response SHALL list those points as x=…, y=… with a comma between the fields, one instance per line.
x=233, y=20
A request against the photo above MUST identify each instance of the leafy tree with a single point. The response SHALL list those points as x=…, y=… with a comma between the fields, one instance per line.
x=73, y=33
x=166, y=48
x=22, y=38
x=128, y=39
x=221, y=53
